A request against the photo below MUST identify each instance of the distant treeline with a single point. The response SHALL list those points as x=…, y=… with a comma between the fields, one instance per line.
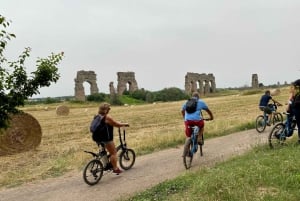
x=136, y=97
x=141, y=96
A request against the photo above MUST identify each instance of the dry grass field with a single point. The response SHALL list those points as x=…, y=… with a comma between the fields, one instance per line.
x=152, y=127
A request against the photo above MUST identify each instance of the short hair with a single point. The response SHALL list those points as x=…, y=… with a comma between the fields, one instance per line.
x=195, y=94
x=267, y=92
x=103, y=108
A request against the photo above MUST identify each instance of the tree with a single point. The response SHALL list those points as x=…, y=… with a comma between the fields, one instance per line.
x=16, y=85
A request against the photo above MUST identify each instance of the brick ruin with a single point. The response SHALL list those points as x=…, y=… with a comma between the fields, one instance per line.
x=203, y=83
x=124, y=79
x=85, y=76
x=254, y=82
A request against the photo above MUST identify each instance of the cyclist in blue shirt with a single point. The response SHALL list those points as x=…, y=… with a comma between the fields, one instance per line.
x=195, y=118
x=265, y=107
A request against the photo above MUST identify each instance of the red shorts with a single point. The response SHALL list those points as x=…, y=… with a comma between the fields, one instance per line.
x=189, y=123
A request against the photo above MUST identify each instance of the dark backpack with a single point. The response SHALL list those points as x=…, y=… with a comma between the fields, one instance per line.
x=191, y=105
x=98, y=125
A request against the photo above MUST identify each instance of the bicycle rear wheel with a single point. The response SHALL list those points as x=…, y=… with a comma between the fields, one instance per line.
x=277, y=118
x=187, y=154
x=127, y=159
x=277, y=136
x=260, y=124
x=93, y=172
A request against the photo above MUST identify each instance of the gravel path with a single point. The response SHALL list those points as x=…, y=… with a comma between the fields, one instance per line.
x=149, y=170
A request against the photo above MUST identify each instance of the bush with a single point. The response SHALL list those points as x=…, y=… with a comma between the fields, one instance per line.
x=99, y=97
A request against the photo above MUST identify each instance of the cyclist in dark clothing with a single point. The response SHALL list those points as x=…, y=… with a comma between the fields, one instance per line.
x=265, y=107
x=294, y=104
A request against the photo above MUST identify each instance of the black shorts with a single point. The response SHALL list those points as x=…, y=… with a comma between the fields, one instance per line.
x=266, y=109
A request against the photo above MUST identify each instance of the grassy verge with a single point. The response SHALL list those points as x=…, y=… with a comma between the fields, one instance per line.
x=261, y=174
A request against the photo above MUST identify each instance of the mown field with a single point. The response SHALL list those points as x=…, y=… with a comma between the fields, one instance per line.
x=152, y=127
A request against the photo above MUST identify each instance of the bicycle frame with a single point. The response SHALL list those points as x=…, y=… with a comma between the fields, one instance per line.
x=194, y=143
x=121, y=146
x=262, y=120
x=93, y=170
x=282, y=130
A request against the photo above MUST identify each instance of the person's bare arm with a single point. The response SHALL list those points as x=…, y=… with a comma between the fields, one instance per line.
x=275, y=101
x=183, y=113
x=210, y=114
x=114, y=123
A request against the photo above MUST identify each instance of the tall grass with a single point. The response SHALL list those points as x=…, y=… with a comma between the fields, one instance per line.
x=262, y=174
x=152, y=127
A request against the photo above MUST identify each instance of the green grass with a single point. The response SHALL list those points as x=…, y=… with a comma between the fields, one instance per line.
x=261, y=174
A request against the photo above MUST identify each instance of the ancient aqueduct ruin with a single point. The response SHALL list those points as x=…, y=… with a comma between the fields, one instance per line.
x=203, y=83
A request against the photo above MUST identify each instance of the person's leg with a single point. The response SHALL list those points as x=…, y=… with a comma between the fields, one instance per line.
x=271, y=118
x=188, y=130
x=297, y=115
x=268, y=112
x=113, y=154
x=199, y=140
x=200, y=124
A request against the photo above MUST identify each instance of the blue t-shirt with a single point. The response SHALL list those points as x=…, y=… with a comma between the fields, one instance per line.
x=264, y=100
x=201, y=105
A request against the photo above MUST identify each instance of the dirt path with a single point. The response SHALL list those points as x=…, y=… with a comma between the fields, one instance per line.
x=149, y=170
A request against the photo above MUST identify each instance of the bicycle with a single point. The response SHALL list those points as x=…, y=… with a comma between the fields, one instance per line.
x=191, y=146
x=95, y=168
x=261, y=120
x=281, y=131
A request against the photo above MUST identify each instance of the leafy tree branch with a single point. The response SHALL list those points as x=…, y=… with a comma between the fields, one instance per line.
x=16, y=85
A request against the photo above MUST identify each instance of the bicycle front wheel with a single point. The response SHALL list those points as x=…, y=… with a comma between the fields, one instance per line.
x=127, y=159
x=277, y=118
x=260, y=124
x=93, y=172
x=276, y=136
x=187, y=153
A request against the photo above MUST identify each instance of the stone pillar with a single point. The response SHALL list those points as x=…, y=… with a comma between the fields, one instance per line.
x=254, y=82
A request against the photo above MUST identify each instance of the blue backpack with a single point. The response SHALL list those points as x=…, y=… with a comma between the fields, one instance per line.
x=98, y=126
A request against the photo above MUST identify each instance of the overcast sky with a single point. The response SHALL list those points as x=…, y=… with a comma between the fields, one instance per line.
x=159, y=40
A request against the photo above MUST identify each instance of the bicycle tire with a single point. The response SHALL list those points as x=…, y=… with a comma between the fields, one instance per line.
x=276, y=136
x=260, y=124
x=187, y=154
x=93, y=172
x=127, y=159
x=277, y=118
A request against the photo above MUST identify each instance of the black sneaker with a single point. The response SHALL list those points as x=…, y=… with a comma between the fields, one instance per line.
x=201, y=143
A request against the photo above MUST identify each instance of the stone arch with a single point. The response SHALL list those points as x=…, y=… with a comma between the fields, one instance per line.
x=125, y=78
x=85, y=76
x=203, y=83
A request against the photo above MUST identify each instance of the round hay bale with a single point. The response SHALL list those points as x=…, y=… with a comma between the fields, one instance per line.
x=275, y=92
x=62, y=110
x=24, y=133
